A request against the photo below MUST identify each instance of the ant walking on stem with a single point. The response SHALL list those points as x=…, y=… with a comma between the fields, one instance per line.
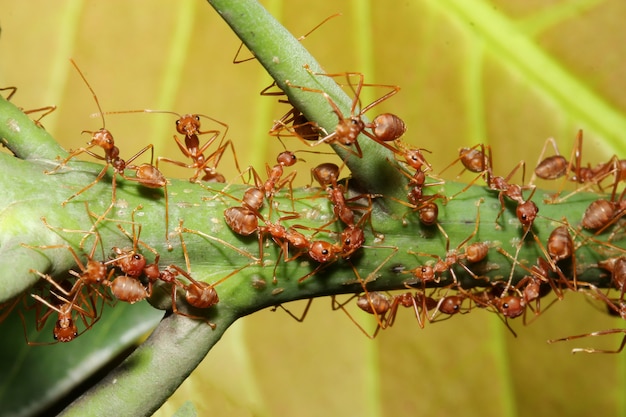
x=479, y=161
x=473, y=253
x=556, y=166
x=146, y=174
x=385, y=127
x=79, y=299
x=198, y=294
x=189, y=126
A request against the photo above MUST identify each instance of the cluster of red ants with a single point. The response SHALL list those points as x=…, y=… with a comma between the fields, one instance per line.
x=127, y=276
x=555, y=272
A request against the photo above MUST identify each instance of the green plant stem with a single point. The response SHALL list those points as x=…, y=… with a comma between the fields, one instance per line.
x=152, y=373
x=284, y=58
x=158, y=366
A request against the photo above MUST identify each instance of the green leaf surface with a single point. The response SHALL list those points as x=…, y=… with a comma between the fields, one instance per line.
x=508, y=72
x=38, y=377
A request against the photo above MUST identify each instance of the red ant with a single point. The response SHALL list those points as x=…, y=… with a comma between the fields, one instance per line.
x=502, y=302
x=473, y=160
x=526, y=210
x=66, y=302
x=560, y=244
x=424, y=205
x=554, y=166
x=92, y=274
x=297, y=124
x=530, y=288
x=385, y=128
x=413, y=156
x=603, y=213
x=65, y=328
x=197, y=294
x=557, y=166
x=560, y=247
x=275, y=180
x=385, y=307
x=326, y=175
x=617, y=268
x=427, y=209
x=133, y=265
x=128, y=287
x=596, y=174
x=189, y=126
x=375, y=303
x=244, y=220
x=146, y=174
x=351, y=239
x=474, y=253
x=325, y=253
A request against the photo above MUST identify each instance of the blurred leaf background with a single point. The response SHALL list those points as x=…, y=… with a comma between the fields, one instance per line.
x=510, y=73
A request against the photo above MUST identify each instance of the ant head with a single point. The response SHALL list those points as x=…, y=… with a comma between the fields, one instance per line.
x=424, y=273
x=527, y=212
x=510, y=306
x=352, y=238
x=188, y=124
x=102, y=138
x=65, y=330
x=286, y=158
x=322, y=252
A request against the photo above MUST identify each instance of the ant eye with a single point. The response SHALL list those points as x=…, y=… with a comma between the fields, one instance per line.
x=197, y=118
x=177, y=122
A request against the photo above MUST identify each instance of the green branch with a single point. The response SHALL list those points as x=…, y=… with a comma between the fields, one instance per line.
x=149, y=376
